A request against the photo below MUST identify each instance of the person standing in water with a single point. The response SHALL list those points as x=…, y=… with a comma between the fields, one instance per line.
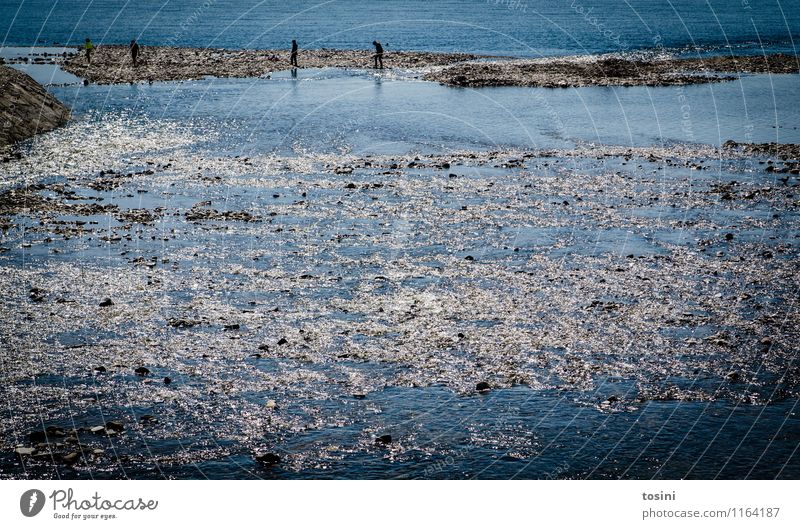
x=378, y=54
x=293, y=56
x=134, y=52
x=89, y=47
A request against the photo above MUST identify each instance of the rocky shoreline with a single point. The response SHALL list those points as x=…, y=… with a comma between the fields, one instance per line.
x=26, y=108
x=609, y=71
x=112, y=64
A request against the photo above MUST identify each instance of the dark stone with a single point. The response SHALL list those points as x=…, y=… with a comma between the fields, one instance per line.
x=733, y=376
x=269, y=458
x=115, y=426
x=167, y=380
x=100, y=369
x=106, y=302
x=37, y=437
x=359, y=396
x=483, y=386
x=232, y=327
x=142, y=371
x=469, y=258
x=728, y=236
x=55, y=431
x=384, y=439
x=71, y=458
x=283, y=341
x=766, y=254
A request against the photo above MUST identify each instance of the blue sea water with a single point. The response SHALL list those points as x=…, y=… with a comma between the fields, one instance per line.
x=515, y=27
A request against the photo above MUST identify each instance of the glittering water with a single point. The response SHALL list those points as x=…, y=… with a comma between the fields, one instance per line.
x=307, y=264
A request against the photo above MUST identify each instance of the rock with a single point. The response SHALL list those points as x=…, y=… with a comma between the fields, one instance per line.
x=766, y=254
x=384, y=439
x=55, y=431
x=97, y=429
x=106, y=302
x=232, y=327
x=37, y=437
x=100, y=369
x=147, y=418
x=483, y=387
x=728, y=236
x=142, y=371
x=167, y=380
x=115, y=426
x=26, y=108
x=71, y=458
x=283, y=341
x=271, y=404
x=359, y=396
x=733, y=376
x=25, y=450
x=268, y=459
x=469, y=258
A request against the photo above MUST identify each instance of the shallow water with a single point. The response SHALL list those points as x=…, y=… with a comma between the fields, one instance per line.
x=595, y=290
x=361, y=112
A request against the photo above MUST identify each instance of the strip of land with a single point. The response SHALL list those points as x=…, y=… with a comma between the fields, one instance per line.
x=113, y=64
x=609, y=71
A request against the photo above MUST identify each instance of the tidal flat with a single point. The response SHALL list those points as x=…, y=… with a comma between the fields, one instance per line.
x=471, y=314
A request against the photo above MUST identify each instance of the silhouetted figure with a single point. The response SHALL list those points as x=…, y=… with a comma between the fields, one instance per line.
x=89, y=47
x=293, y=56
x=134, y=52
x=378, y=54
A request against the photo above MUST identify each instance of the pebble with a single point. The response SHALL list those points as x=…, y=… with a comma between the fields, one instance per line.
x=71, y=458
x=106, y=302
x=25, y=450
x=269, y=458
x=115, y=426
x=483, y=387
x=384, y=439
x=142, y=371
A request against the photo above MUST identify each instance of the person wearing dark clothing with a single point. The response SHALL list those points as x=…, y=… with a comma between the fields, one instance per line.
x=378, y=54
x=134, y=52
x=89, y=47
x=293, y=56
